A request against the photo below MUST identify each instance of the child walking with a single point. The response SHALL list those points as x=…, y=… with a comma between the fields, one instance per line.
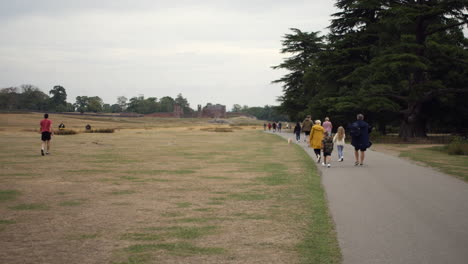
x=327, y=143
x=339, y=140
x=297, y=131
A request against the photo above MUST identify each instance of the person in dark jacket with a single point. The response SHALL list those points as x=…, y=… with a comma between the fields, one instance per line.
x=297, y=131
x=359, y=131
x=307, y=127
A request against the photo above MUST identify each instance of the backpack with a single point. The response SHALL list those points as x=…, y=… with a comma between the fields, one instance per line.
x=355, y=130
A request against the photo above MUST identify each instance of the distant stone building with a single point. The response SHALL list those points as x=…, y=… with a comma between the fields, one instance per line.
x=212, y=111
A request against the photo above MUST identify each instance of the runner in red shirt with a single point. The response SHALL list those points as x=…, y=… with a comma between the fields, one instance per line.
x=46, y=133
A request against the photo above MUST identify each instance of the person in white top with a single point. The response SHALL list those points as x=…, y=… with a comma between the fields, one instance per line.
x=339, y=141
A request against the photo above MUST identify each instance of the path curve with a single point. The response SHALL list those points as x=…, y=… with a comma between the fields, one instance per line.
x=393, y=211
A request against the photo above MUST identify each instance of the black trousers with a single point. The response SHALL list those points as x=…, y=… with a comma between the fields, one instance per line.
x=317, y=151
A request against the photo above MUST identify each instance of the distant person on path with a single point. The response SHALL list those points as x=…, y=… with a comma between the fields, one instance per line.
x=274, y=126
x=61, y=126
x=339, y=140
x=327, y=125
x=359, y=132
x=269, y=126
x=46, y=134
x=264, y=126
x=279, y=126
x=287, y=125
x=327, y=143
x=88, y=127
x=306, y=127
x=297, y=131
x=316, y=137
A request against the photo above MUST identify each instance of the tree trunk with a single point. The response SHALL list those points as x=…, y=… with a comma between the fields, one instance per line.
x=413, y=123
x=382, y=127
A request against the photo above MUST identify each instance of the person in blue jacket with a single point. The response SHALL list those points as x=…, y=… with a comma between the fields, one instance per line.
x=359, y=131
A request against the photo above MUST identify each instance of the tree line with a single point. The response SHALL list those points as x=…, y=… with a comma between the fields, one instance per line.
x=402, y=63
x=31, y=98
x=267, y=112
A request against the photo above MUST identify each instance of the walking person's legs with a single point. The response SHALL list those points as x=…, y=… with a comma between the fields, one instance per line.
x=317, y=153
x=363, y=154
x=42, y=147
x=340, y=152
x=356, y=155
x=47, y=146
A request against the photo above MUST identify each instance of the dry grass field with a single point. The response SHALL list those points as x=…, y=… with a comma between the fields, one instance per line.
x=158, y=191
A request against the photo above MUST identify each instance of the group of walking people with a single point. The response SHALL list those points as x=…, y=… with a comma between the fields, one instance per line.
x=276, y=126
x=321, y=139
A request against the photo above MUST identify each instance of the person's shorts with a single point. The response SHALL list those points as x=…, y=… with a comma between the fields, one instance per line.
x=325, y=154
x=45, y=136
x=307, y=133
x=360, y=148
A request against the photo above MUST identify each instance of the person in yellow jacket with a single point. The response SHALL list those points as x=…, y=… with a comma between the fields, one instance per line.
x=316, y=137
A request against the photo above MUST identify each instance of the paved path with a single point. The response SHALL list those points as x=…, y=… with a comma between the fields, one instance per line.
x=393, y=211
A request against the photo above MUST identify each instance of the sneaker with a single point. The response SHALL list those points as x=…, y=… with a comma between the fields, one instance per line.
x=323, y=164
x=318, y=159
x=328, y=165
x=47, y=153
x=42, y=152
x=361, y=164
x=340, y=159
x=356, y=163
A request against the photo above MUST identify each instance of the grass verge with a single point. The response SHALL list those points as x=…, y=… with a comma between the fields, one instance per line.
x=455, y=165
x=320, y=244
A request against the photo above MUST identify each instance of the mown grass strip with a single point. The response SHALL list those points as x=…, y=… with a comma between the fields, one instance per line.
x=179, y=249
x=33, y=206
x=7, y=195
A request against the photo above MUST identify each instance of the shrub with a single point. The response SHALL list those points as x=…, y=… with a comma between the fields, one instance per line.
x=458, y=146
x=65, y=132
x=101, y=130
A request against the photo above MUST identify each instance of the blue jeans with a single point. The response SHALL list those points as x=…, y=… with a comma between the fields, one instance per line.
x=340, y=151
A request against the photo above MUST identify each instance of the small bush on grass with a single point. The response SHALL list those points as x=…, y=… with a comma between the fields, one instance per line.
x=458, y=146
x=100, y=130
x=65, y=132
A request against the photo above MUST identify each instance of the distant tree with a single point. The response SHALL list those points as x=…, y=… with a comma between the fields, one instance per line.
x=70, y=107
x=95, y=104
x=143, y=106
x=236, y=108
x=265, y=113
x=166, y=104
x=58, y=101
x=106, y=108
x=182, y=102
x=81, y=103
x=32, y=98
x=115, y=108
x=122, y=102
x=9, y=98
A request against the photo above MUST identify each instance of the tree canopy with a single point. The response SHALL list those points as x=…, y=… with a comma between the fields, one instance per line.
x=403, y=63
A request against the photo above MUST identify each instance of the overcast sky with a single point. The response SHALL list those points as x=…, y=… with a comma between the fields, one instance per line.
x=215, y=51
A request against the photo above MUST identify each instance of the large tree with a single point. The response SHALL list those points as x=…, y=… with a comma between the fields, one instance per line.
x=305, y=48
x=58, y=101
x=421, y=43
x=393, y=60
